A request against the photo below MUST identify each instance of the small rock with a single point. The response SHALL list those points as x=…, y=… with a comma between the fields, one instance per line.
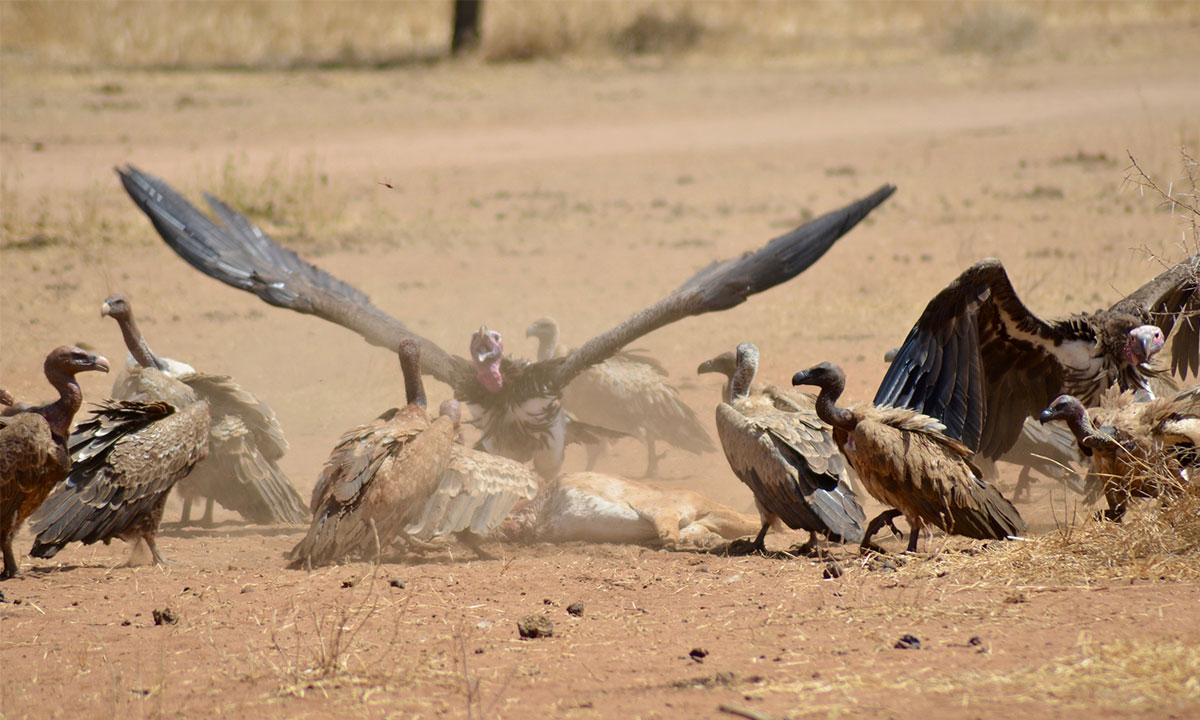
x=2, y=600
x=483, y=624
x=396, y=583
x=348, y=583
x=698, y=654
x=547, y=601
x=17, y=601
x=908, y=642
x=1016, y=599
x=536, y=625
x=832, y=570
x=975, y=640
x=888, y=567
x=247, y=589
x=166, y=616
x=125, y=623
x=478, y=651
x=576, y=609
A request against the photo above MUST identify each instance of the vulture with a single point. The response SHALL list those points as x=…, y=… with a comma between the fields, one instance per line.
x=379, y=476
x=777, y=445
x=124, y=461
x=907, y=462
x=627, y=392
x=475, y=494
x=592, y=507
x=1137, y=449
x=515, y=403
x=1048, y=449
x=246, y=441
x=33, y=445
x=981, y=362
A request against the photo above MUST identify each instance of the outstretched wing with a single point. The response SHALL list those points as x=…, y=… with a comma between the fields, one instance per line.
x=238, y=253
x=981, y=362
x=726, y=284
x=476, y=493
x=1170, y=301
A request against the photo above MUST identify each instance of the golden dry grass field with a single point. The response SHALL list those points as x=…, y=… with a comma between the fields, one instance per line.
x=584, y=184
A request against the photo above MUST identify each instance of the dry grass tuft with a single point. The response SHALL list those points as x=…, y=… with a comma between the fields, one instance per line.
x=990, y=29
x=651, y=32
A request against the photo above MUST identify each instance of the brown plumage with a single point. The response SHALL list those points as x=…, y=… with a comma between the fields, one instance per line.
x=906, y=462
x=628, y=393
x=125, y=460
x=786, y=455
x=1137, y=449
x=978, y=360
x=33, y=445
x=246, y=441
x=475, y=494
x=515, y=403
x=378, y=477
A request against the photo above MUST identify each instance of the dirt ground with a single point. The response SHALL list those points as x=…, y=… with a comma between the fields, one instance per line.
x=464, y=193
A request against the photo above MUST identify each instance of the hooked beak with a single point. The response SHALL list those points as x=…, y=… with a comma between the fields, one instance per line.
x=105, y=309
x=99, y=362
x=531, y=330
x=1152, y=341
x=800, y=378
x=1046, y=416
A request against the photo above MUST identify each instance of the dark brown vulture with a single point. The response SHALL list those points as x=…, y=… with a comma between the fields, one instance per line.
x=1137, y=449
x=776, y=444
x=515, y=403
x=124, y=461
x=474, y=495
x=33, y=445
x=378, y=477
x=246, y=441
x=629, y=393
x=906, y=461
x=981, y=362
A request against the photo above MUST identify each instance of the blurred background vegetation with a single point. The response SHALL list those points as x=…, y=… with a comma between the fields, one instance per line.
x=282, y=34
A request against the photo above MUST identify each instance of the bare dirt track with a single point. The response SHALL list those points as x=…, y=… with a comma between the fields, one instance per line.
x=464, y=193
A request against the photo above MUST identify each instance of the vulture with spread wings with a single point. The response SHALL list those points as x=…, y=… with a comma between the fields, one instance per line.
x=981, y=362
x=516, y=403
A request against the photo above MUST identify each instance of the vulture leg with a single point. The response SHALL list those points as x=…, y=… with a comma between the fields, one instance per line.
x=186, y=518
x=810, y=547
x=1022, y=493
x=759, y=545
x=10, y=560
x=472, y=541
x=1117, y=499
x=876, y=524
x=207, y=520
x=914, y=535
x=154, y=553
x=652, y=458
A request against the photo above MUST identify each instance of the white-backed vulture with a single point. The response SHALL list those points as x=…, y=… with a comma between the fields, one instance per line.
x=124, y=461
x=475, y=494
x=592, y=507
x=1137, y=449
x=776, y=444
x=246, y=441
x=981, y=362
x=379, y=476
x=905, y=461
x=33, y=445
x=516, y=404
x=629, y=393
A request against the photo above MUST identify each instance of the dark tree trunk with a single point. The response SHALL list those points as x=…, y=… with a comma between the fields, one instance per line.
x=466, y=26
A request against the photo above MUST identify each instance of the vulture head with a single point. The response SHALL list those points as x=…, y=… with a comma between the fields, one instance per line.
x=1068, y=409
x=6, y=398
x=67, y=360
x=826, y=376
x=116, y=307
x=546, y=332
x=725, y=363
x=487, y=349
x=1143, y=343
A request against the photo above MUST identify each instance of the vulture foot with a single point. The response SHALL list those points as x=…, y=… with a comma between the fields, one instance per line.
x=884, y=518
x=473, y=541
x=1023, y=492
x=809, y=548
x=652, y=459
x=742, y=546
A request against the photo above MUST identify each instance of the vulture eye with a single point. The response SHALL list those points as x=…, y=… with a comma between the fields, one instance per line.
x=494, y=335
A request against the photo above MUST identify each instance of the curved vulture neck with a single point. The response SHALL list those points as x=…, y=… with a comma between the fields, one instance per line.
x=742, y=378
x=414, y=386
x=60, y=413
x=547, y=344
x=1085, y=433
x=136, y=344
x=827, y=409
